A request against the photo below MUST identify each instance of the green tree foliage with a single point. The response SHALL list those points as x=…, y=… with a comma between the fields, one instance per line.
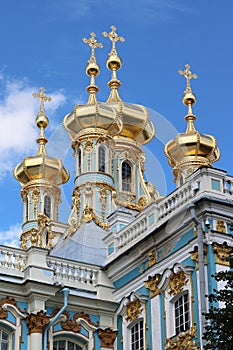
x=218, y=334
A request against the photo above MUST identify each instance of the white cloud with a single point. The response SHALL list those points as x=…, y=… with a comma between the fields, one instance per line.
x=10, y=237
x=18, y=110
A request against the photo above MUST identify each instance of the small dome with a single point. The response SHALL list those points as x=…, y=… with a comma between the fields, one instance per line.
x=99, y=116
x=191, y=150
x=113, y=118
x=135, y=120
x=41, y=167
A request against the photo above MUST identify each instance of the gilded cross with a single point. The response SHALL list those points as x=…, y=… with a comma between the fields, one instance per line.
x=188, y=75
x=93, y=43
x=42, y=97
x=114, y=37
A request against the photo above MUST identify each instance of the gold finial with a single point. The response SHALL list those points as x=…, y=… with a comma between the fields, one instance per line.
x=92, y=68
x=189, y=98
x=114, y=37
x=114, y=63
x=41, y=120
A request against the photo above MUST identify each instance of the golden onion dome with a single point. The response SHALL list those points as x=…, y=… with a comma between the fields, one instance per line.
x=41, y=166
x=191, y=150
x=113, y=117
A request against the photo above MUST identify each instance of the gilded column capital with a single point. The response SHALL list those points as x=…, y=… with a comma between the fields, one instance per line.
x=107, y=337
x=152, y=285
x=194, y=255
x=36, y=323
x=222, y=252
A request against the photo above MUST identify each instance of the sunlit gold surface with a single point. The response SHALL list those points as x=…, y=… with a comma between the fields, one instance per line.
x=41, y=166
x=190, y=150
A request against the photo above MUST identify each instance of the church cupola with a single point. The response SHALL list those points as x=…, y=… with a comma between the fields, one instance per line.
x=190, y=150
x=107, y=139
x=40, y=177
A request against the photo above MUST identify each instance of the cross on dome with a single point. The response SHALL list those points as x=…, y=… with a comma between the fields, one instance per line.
x=43, y=98
x=93, y=43
x=188, y=75
x=114, y=37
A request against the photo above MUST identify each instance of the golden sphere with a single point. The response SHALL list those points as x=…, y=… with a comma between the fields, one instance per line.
x=42, y=121
x=113, y=62
x=92, y=69
x=189, y=98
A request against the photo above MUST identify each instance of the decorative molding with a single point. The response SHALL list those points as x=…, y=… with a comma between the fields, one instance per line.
x=152, y=285
x=107, y=337
x=184, y=340
x=222, y=252
x=4, y=307
x=220, y=226
x=177, y=283
x=36, y=323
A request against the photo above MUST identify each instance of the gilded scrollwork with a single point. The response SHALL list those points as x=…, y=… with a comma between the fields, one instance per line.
x=194, y=255
x=133, y=310
x=35, y=195
x=184, y=341
x=177, y=283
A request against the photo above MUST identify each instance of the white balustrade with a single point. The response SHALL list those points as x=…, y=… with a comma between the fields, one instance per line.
x=12, y=260
x=73, y=273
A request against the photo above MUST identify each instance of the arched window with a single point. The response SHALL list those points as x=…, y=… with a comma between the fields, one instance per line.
x=101, y=159
x=4, y=340
x=126, y=175
x=47, y=206
x=65, y=345
x=79, y=160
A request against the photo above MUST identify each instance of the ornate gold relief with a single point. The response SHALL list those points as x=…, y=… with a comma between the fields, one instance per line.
x=36, y=323
x=220, y=227
x=152, y=259
x=184, y=341
x=35, y=195
x=88, y=146
x=142, y=203
x=107, y=337
x=177, y=283
x=133, y=310
x=76, y=202
x=103, y=200
x=194, y=255
x=152, y=285
x=222, y=252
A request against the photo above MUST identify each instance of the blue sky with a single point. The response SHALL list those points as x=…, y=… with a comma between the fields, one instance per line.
x=41, y=45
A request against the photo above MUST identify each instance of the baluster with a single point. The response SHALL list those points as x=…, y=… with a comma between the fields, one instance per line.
x=15, y=261
x=63, y=271
x=69, y=275
x=3, y=258
x=82, y=275
x=88, y=276
x=75, y=273
x=10, y=262
x=94, y=277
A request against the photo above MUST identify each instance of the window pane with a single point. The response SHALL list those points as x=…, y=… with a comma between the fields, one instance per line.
x=47, y=206
x=126, y=176
x=101, y=159
x=181, y=311
x=137, y=340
